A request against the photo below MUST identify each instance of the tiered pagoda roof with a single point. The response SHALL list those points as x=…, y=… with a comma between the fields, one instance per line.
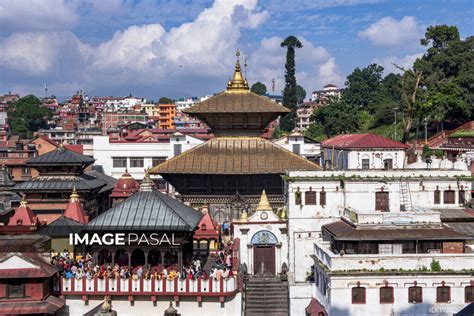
x=125, y=186
x=61, y=157
x=74, y=209
x=237, y=118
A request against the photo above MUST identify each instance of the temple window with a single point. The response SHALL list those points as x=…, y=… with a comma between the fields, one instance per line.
x=415, y=294
x=358, y=295
x=365, y=164
x=386, y=295
x=119, y=162
x=322, y=198
x=437, y=197
x=469, y=294
x=310, y=197
x=448, y=197
x=443, y=294
x=16, y=290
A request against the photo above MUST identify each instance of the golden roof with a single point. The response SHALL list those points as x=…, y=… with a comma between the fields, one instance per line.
x=235, y=156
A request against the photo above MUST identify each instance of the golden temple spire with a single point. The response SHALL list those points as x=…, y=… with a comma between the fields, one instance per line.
x=264, y=205
x=74, y=197
x=238, y=83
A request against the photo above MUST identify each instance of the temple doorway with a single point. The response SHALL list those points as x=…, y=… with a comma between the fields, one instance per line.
x=264, y=260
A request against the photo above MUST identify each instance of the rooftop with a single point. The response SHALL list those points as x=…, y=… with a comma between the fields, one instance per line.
x=61, y=156
x=235, y=155
x=147, y=210
x=366, y=141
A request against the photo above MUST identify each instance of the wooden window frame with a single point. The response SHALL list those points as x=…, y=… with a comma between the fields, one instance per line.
x=471, y=287
x=322, y=198
x=447, y=193
x=438, y=296
x=308, y=197
x=368, y=164
x=421, y=294
x=392, y=293
x=437, y=197
x=364, y=291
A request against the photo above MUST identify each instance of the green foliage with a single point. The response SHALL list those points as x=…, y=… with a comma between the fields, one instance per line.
x=290, y=98
x=259, y=88
x=315, y=131
x=439, y=153
x=427, y=152
x=435, y=265
x=277, y=133
x=300, y=94
x=337, y=118
x=424, y=269
x=27, y=116
x=165, y=100
x=463, y=133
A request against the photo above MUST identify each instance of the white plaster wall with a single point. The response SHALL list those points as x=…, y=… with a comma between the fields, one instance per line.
x=340, y=300
x=300, y=297
x=104, y=151
x=187, y=307
x=306, y=149
x=376, y=158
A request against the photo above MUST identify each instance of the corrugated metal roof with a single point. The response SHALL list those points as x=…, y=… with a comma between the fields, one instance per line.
x=463, y=228
x=61, y=227
x=147, y=210
x=342, y=230
x=48, y=306
x=61, y=183
x=235, y=155
x=362, y=141
x=247, y=102
x=60, y=156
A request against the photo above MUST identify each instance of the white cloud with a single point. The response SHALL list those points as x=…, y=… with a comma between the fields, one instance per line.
x=315, y=67
x=391, y=33
x=37, y=15
x=389, y=62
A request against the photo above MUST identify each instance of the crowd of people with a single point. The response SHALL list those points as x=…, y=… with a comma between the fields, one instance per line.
x=84, y=267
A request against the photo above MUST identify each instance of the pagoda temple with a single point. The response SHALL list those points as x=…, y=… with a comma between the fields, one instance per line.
x=230, y=171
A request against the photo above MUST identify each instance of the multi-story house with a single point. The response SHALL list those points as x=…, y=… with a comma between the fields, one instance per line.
x=301, y=145
x=303, y=114
x=328, y=91
x=166, y=114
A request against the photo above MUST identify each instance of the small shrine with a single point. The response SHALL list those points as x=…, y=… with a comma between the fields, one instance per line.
x=206, y=236
x=124, y=188
x=266, y=236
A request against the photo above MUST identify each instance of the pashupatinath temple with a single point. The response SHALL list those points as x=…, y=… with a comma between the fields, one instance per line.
x=230, y=171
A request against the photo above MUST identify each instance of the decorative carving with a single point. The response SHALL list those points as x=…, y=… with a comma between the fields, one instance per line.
x=284, y=272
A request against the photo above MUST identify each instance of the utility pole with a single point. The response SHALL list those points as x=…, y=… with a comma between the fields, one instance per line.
x=45, y=90
x=273, y=86
x=395, y=124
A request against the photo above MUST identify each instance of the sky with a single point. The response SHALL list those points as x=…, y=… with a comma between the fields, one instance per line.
x=152, y=48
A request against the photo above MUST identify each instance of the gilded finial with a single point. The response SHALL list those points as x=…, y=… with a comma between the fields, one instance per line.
x=244, y=215
x=74, y=197
x=147, y=183
x=238, y=83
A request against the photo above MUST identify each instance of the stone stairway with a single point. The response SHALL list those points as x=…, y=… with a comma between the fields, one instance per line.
x=266, y=296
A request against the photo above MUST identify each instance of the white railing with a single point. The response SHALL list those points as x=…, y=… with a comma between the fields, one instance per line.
x=377, y=262
x=199, y=287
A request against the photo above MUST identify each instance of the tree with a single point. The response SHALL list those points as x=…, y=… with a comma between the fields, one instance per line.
x=411, y=104
x=165, y=100
x=26, y=116
x=337, y=117
x=300, y=94
x=363, y=87
x=259, y=88
x=290, y=99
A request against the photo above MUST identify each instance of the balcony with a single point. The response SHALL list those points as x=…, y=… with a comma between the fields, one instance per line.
x=151, y=287
x=382, y=262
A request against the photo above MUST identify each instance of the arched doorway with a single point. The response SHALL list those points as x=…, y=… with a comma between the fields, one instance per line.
x=105, y=256
x=138, y=258
x=121, y=257
x=264, y=243
x=154, y=257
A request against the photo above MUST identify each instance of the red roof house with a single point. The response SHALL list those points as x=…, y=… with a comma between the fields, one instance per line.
x=360, y=141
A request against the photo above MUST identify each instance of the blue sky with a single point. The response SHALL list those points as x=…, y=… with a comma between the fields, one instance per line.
x=186, y=48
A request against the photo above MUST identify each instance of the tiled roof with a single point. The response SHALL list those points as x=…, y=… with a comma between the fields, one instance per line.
x=48, y=306
x=147, y=210
x=235, y=155
x=348, y=141
x=342, y=230
x=42, y=270
x=84, y=182
x=225, y=102
x=60, y=156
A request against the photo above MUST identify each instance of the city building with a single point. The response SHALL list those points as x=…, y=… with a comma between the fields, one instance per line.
x=113, y=121
x=328, y=91
x=398, y=198
x=303, y=114
x=301, y=145
x=7, y=99
x=140, y=150
x=363, y=152
x=166, y=114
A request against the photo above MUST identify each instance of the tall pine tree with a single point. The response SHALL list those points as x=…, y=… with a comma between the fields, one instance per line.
x=290, y=98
